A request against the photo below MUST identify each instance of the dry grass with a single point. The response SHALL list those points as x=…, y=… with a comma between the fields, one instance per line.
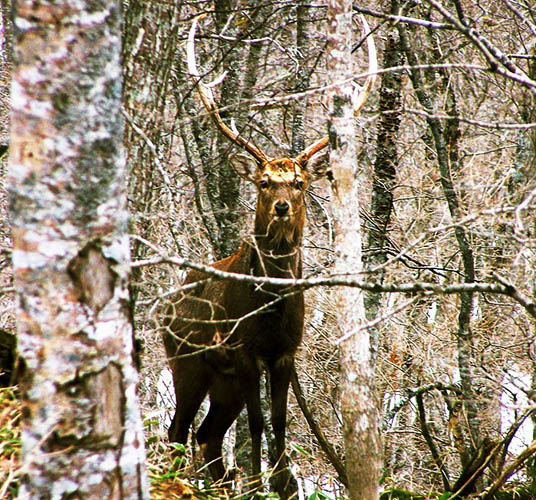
x=9, y=442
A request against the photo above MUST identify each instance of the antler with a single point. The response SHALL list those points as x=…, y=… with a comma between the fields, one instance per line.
x=372, y=69
x=207, y=97
x=359, y=101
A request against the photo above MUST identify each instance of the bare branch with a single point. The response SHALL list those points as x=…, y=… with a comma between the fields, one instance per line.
x=411, y=393
x=501, y=288
x=317, y=430
x=404, y=19
x=508, y=471
x=493, y=55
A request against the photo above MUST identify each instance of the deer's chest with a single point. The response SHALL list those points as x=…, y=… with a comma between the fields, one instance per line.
x=273, y=331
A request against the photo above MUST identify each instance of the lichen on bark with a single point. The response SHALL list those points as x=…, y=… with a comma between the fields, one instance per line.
x=82, y=433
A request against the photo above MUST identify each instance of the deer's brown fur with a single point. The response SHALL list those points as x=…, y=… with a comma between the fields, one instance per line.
x=221, y=314
x=220, y=335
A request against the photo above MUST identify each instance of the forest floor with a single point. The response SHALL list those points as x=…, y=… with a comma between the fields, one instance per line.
x=164, y=466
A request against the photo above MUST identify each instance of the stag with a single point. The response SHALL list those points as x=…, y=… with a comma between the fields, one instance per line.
x=221, y=335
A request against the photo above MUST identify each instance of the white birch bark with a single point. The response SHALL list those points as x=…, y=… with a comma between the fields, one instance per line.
x=358, y=400
x=82, y=432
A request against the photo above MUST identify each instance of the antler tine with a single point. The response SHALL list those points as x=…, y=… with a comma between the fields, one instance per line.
x=311, y=150
x=372, y=69
x=205, y=92
x=359, y=102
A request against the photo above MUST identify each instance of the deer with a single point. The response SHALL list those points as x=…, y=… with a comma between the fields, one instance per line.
x=220, y=335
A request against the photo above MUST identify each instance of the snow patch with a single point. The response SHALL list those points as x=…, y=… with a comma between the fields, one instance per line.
x=514, y=401
x=86, y=19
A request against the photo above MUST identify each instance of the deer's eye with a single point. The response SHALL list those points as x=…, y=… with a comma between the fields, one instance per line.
x=299, y=184
x=263, y=183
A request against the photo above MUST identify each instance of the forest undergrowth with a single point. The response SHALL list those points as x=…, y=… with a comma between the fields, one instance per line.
x=164, y=466
x=167, y=468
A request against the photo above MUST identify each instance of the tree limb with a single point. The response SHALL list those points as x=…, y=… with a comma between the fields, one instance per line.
x=430, y=442
x=317, y=431
x=503, y=288
x=488, y=493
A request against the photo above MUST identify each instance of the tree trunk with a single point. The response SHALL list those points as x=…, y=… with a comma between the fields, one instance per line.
x=149, y=48
x=82, y=434
x=358, y=399
x=6, y=59
x=524, y=172
x=383, y=183
x=223, y=185
x=302, y=78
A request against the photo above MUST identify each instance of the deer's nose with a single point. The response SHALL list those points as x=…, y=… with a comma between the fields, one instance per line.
x=281, y=208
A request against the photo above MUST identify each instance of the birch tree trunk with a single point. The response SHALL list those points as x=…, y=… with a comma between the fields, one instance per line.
x=82, y=434
x=358, y=399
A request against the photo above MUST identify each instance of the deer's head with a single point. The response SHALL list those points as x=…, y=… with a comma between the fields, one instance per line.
x=281, y=182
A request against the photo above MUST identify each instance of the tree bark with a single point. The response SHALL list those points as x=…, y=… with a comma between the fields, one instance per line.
x=358, y=399
x=223, y=185
x=82, y=434
x=302, y=78
x=524, y=172
x=149, y=47
x=6, y=58
x=381, y=203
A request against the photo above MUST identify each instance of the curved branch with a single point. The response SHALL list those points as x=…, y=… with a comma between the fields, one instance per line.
x=430, y=442
x=489, y=493
x=317, y=431
x=415, y=392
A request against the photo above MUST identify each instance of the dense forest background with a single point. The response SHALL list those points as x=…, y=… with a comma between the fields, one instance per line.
x=447, y=166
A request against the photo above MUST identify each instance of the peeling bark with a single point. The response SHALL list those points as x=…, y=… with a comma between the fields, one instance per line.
x=82, y=435
x=92, y=277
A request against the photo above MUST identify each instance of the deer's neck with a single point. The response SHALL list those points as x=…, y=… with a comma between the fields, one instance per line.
x=277, y=261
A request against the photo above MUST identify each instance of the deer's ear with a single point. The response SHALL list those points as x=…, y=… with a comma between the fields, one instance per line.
x=243, y=166
x=317, y=167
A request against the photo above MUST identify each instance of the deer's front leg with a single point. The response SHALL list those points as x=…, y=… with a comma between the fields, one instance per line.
x=250, y=379
x=280, y=374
